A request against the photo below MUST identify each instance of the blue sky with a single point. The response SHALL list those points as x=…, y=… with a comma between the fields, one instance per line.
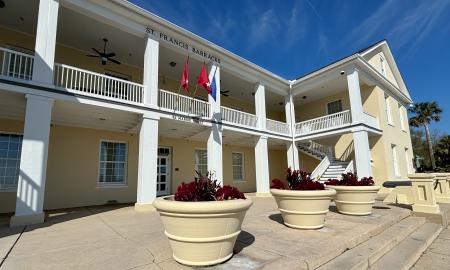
x=291, y=38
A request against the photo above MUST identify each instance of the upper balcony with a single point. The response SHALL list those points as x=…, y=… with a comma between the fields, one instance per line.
x=75, y=72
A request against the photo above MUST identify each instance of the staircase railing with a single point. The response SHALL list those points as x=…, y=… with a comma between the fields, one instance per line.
x=350, y=167
x=321, y=168
x=318, y=148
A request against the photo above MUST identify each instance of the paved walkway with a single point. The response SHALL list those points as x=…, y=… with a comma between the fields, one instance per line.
x=120, y=238
x=437, y=256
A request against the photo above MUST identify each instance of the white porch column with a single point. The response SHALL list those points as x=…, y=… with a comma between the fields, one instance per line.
x=354, y=93
x=147, y=167
x=292, y=151
x=260, y=105
x=262, y=166
x=214, y=145
x=362, y=153
x=45, y=41
x=33, y=162
x=151, y=61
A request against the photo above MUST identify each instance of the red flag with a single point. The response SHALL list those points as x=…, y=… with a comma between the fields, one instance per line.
x=203, y=79
x=185, y=76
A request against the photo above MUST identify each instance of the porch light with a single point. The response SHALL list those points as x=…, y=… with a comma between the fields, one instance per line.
x=304, y=97
x=172, y=64
x=2, y=4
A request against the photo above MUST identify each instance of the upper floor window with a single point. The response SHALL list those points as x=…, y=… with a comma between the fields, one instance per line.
x=113, y=163
x=334, y=107
x=388, y=110
x=401, y=111
x=383, y=65
x=10, y=149
x=238, y=166
x=201, y=161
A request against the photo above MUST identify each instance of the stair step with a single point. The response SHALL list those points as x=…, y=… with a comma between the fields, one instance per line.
x=335, y=169
x=365, y=254
x=405, y=255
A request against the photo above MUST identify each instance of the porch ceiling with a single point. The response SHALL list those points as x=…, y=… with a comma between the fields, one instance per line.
x=12, y=106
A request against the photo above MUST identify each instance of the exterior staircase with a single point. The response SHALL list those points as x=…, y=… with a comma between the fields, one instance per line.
x=330, y=167
x=335, y=170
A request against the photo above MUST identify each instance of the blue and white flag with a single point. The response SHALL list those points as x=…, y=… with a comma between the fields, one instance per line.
x=214, y=86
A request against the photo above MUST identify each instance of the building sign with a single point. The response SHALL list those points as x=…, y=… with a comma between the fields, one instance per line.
x=183, y=45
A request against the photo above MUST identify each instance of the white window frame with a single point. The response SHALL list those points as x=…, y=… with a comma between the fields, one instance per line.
x=383, y=65
x=388, y=110
x=402, y=117
x=242, y=165
x=196, y=159
x=125, y=175
x=342, y=106
x=395, y=160
x=11, y=189
x=408, y=161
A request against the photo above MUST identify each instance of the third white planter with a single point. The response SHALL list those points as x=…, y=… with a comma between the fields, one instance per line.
x=355, y=200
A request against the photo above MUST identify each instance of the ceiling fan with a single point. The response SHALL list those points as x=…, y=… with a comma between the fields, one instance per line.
x=225, y=93
x=103, y=55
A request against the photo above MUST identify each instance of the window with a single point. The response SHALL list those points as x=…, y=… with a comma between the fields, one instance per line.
x=394, y=159
x=238, y=166
x=201, y=161
x=334, y=107
x=113, y=163
x=401, y=111
x=383, y=66
x=388, y=110
x=408, y=162
x=10, y=149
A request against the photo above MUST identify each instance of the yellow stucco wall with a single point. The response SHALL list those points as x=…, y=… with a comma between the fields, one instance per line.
x=73, y=160
x=318, y=108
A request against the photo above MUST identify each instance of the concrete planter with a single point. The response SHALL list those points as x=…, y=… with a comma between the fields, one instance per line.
x=355, y=200
x=202, y=233
x=303, y=209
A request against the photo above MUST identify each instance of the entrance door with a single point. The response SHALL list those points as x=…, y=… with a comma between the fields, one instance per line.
x=163, y=180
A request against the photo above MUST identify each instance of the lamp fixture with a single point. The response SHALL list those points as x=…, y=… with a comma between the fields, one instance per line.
x=172, y=64
x=304, y=97
x=2, y=4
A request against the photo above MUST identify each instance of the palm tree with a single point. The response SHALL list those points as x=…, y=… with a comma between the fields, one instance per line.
x=423, y=114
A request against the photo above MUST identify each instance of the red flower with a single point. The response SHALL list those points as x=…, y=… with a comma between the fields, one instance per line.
x=277, y=184
x=350, y=179
x=228, y=193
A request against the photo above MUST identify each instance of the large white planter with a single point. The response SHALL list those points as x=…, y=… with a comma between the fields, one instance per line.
x=202, y=233
x=355, y=200
x=303, y=209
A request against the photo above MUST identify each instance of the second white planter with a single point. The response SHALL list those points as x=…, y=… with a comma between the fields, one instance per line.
x=355, y=200
x=303, y=209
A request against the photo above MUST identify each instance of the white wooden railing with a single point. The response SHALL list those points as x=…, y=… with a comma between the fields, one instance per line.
x=278, y=127
x=318, y=148
x=95, y=84
x=350, y=167
x=323, y=123
x=16, y=64
x=238, y=117
x=371, y=120
x=321, y=168
x=182, y=104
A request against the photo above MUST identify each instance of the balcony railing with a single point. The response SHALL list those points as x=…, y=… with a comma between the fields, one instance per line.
x=327, y=122
x=371, y=120
x=95, y=84
x=237, y=117
x=16, y=64
x=278, y=127
x=169, y=101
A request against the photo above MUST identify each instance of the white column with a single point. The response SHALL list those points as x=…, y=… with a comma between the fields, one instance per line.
x=292, y=151
x=260, y=105
x=214, y=145
x=45, y=41
x=33, y=162
x=151, y=61
x=262, y=166
x=354, y=93
x=147, y=167
x=362, y=153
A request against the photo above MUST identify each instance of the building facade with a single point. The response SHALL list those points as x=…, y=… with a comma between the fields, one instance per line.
x=79, y=130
